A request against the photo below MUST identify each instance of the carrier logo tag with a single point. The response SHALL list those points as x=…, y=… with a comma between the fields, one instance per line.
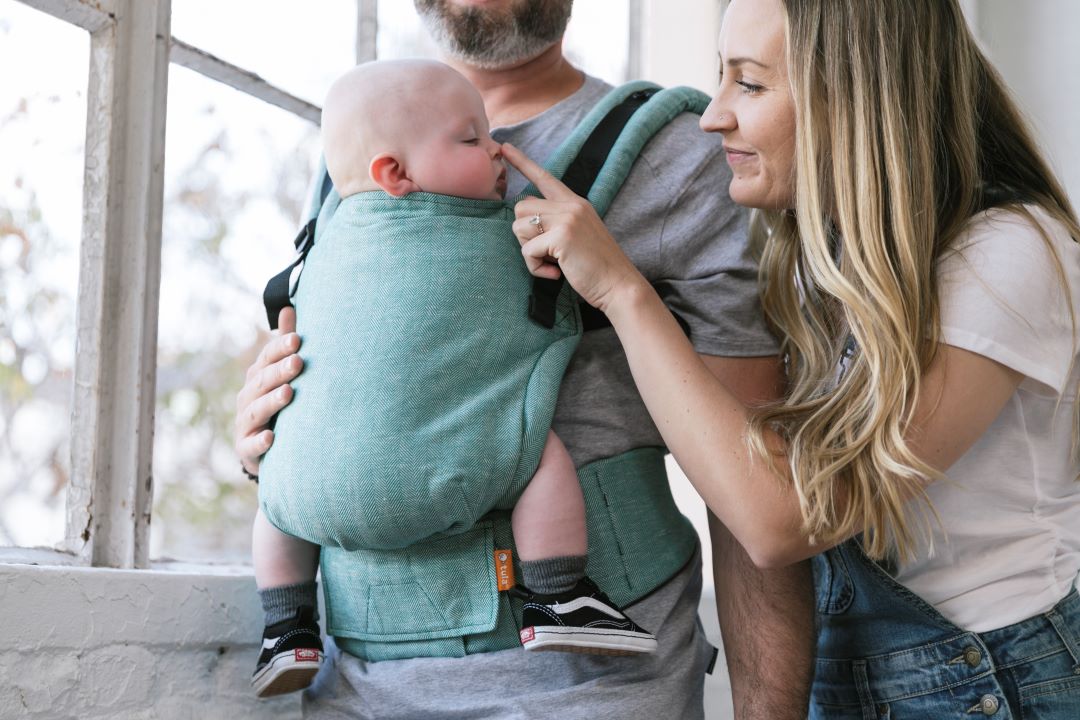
x=504, y=569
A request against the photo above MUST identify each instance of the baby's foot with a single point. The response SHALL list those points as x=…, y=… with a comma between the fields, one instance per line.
x=580, y=620
x=292, y=652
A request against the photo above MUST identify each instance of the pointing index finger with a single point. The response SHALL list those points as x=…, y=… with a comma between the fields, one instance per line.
x=544, y=181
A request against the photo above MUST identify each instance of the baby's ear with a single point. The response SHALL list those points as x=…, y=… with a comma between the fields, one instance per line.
x=388, y=173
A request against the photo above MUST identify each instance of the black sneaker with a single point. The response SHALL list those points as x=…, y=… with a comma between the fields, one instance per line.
x=580, y=620
x=292, y=652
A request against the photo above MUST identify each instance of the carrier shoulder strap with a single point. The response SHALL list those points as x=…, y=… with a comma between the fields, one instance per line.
x=593, y=162
x=610, y=139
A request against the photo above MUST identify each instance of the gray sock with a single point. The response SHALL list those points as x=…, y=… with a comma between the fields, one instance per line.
x=552, y=576
x=280, y=603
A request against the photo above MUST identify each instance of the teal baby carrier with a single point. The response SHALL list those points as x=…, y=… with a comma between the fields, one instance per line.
x=432, y=366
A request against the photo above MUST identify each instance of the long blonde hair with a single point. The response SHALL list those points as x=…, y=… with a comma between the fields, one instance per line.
x=904, y=131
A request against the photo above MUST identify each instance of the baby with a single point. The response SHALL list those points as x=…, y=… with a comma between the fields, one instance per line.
x=399, y=127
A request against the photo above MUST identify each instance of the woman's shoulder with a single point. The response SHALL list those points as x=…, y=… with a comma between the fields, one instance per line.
x=1014, y=230
x=1013, y=243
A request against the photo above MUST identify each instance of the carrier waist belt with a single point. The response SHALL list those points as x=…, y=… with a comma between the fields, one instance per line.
x=439, y=598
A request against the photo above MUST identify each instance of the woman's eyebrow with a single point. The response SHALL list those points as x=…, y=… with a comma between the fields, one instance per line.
x=735, y=62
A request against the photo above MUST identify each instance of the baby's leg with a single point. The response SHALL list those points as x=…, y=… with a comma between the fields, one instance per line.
x=285, y=568
x=549, y=524
x=565, y=610
x=281, y=559
x=292, y=649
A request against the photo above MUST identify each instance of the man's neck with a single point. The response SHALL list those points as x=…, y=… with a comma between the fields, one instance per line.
x=512, y=95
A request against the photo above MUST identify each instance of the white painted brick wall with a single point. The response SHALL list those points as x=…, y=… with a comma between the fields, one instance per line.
x=91, y=644
x=95, y=643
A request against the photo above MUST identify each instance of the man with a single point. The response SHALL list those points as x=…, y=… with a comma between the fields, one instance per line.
x=674, y=219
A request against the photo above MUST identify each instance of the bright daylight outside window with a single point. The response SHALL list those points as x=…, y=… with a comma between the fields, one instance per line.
x=42, y=134
x=236, y=176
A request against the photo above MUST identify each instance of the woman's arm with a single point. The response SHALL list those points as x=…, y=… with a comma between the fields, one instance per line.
x=702, y=423
x=705, y=426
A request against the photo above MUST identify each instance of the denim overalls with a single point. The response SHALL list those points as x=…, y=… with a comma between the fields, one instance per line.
x=884, y=653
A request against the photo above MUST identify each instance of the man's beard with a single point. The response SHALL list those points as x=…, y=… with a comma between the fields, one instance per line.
x=491, y=39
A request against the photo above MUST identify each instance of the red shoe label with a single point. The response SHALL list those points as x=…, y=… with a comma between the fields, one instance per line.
x=528, y=634
x=306, y=655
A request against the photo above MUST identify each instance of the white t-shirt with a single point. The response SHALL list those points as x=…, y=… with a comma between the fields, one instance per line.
x=1009, y=544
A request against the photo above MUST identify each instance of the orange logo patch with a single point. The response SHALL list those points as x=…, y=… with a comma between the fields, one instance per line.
x=504, y=569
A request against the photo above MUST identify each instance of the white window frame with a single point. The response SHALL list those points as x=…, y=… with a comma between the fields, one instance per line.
x=110, y=493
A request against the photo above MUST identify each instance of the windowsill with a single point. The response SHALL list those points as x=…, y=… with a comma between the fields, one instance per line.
x=174, y=603
x=47, y=557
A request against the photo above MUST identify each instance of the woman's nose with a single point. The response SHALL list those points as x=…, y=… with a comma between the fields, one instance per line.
x=714, y=119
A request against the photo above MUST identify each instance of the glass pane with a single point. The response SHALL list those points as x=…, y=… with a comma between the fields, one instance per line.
x=299, y=47
x=42, y=134
x=597, y=39
x=236, y=176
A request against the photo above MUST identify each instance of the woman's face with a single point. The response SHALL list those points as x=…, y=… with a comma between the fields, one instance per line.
x=754, y=109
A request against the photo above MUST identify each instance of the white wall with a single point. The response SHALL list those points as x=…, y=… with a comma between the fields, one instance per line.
x=91, y=644
x=1034, y=46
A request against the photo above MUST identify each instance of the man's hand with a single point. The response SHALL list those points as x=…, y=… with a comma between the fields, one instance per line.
x=266, y=391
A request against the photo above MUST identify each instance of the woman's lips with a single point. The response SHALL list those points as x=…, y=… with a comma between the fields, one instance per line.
x=737, y=157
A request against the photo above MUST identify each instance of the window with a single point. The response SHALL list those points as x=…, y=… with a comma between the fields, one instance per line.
x=236, y=176
x=186, y=212
x=42, y=130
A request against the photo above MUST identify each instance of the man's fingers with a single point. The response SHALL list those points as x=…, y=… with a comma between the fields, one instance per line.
x=255, y=417
x=287, y=320
x=251, y=448
x=278, y=348
x=263, y=380
x=544, y=181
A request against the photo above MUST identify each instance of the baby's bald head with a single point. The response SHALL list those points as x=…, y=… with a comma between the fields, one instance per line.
x=382, y=107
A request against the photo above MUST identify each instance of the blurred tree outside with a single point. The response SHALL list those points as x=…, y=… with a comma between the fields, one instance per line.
x=42, y=132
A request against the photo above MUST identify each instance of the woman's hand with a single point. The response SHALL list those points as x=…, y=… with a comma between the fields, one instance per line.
x=266, y=391
x=562, y=234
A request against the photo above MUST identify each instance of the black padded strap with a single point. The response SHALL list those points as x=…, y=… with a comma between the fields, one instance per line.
x=579, y=177
x=279, y=289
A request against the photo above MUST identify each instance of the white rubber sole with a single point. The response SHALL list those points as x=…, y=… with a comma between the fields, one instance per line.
x=287, y=672
x=592, y=641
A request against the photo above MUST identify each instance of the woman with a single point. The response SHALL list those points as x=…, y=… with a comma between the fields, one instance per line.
x=918, y=261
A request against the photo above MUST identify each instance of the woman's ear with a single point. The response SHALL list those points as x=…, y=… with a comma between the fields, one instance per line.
x=389, y=173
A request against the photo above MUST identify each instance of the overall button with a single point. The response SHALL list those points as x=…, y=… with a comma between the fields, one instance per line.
x=972, y=656
x=989, y=704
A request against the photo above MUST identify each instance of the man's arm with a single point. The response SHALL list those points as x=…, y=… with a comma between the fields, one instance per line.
x=766, y=616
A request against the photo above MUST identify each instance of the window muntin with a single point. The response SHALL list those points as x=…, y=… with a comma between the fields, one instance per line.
x=298, y=47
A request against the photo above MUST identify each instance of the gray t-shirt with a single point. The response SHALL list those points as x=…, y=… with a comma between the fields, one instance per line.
x=674, y=219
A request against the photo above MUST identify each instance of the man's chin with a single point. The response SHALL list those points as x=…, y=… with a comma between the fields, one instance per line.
x=492, y=36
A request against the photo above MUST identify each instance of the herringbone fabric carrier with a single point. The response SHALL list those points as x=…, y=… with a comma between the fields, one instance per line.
x=427, y=392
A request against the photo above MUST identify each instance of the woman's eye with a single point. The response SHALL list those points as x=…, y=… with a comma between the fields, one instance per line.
x=749, y=88
x=473, y=141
